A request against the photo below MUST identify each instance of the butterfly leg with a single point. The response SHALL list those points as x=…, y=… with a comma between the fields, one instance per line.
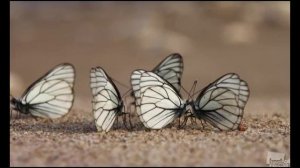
x=186, y=117
x=34, y=117
x=124, y=113
x=124, y=120
x=202, y=124
x=117, y=123
x=179, y=123
x=184, y=121
x=17, y=116
x=12, y=121
x=129, y=115
x=130, y=121
x=193, y=120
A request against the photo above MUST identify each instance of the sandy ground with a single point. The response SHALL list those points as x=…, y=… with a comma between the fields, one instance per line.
x=251, y=39
x=74, y=141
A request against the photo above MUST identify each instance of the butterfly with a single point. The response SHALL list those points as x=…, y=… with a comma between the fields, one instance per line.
x=107, y=103
x=170, y=69
x=51, y=96
x=221, y=103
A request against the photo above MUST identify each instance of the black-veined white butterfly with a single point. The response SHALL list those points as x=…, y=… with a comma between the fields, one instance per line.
x=157, y=101
x=170, y=69
x=221, y=103
x=107, y=103
x=51, y=96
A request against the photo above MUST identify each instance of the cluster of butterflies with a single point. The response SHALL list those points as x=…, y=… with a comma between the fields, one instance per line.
x=157, y=96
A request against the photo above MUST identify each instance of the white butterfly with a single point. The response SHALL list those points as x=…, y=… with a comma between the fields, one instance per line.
x=221, y=103
x=170, y=69
x=51, y=96
x=107, y=103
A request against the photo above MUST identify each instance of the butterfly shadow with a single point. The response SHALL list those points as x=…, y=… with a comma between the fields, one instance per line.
x=50, y=126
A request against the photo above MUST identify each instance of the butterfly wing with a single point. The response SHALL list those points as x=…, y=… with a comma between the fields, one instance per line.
x=159, y=103
x=222, y=102
x=135, y=83
x=106, y=99
x=52, y=95
x=171, y=69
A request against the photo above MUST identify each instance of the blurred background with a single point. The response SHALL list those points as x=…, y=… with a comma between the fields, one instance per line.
x=214, y=38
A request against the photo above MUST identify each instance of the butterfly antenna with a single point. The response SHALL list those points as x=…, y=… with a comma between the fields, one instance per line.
x=196, y=92
x=184, y=90
x=120, y=83
x=129, y=89
x=192, y=90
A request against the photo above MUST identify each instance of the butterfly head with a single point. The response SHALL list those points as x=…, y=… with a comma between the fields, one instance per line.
x=189, y=105
x=16, y=104
x=120, y=106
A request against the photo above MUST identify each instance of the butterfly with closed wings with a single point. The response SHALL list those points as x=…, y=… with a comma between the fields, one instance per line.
x=170, y=69
x=51, y=96
x=107, y=103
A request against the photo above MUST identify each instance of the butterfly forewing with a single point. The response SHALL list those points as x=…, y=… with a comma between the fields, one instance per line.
x=171, y=69
x=52, y=95
x=106, y=99
x=135, y=83
x=222, y=102
x=65, y=72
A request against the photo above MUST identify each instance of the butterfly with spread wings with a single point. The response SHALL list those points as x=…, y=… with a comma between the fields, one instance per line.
x=51, y=96
x=221, y=103
x=107, y=103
